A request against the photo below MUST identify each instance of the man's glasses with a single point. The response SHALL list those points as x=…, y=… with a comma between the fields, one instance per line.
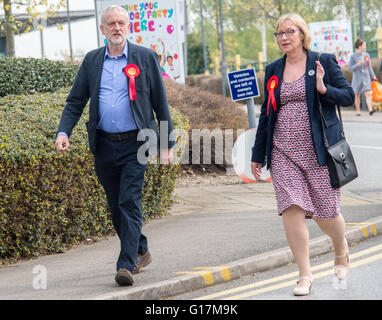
x=288, y=33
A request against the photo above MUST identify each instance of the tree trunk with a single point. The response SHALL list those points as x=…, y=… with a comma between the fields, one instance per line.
x=218, y=27
x=9, y=31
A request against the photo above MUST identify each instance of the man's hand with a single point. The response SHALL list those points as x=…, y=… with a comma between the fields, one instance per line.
x=166, y=156
x=62, y=143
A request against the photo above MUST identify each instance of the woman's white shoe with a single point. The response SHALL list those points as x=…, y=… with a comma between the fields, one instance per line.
x=303, y=290
x=342, y=271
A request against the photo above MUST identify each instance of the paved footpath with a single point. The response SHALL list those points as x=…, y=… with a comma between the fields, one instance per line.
x=212, y=234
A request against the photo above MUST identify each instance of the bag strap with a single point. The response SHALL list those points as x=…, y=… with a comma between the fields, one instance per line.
x=323, y=123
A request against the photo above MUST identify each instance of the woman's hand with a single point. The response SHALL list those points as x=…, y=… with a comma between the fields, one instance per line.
x=256, y=169
x=320, y=72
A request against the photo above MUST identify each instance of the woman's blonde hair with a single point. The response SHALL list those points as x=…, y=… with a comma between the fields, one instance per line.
x=300, y=23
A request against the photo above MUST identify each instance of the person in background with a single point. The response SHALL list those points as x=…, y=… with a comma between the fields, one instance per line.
x=289, y=139
x=363, y=74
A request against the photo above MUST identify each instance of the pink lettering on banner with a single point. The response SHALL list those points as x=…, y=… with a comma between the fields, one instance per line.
x=151, y=26
x=143, y=25
x=142, y=16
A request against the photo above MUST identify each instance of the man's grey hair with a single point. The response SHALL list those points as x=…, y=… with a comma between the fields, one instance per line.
x=113, y=7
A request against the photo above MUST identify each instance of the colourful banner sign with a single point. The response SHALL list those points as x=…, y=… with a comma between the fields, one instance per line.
x=156, y=25
x=333, y=37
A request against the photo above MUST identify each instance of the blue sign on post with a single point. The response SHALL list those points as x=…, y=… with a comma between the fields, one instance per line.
x=243, y=84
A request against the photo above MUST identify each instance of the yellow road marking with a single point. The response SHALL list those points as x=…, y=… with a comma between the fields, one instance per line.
x=315, y=276
x=373, y=229
x=208, y=278
x=288, y=276
x=224, y=271
x=363, y=226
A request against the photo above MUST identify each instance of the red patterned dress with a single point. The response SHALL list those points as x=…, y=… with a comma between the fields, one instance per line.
x=297, y=177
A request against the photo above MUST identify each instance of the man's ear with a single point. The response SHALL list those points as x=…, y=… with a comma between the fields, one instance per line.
x=102, y=29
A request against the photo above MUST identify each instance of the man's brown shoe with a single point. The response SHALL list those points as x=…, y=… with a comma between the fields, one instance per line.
x=142, y=261
x=124, y=277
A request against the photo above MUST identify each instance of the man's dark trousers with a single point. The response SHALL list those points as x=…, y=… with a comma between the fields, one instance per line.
x=121, y=175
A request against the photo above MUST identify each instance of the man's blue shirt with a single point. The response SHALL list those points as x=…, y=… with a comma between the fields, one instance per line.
x=114, y=102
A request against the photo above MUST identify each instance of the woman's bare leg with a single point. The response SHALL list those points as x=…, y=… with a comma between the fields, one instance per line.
x=335, y=229
x=357, y=103
x=297, y=234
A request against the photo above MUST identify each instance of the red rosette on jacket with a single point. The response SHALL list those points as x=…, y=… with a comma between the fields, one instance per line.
x=132, y=71
x=272, y=84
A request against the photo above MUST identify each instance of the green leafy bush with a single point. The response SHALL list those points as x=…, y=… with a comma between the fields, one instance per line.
x=50, y=201
x=28, y=75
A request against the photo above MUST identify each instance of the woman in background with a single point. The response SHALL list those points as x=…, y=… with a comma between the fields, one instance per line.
x=363, y=74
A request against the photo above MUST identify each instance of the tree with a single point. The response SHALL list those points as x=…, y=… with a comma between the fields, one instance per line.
x=244, y=19
x=195, y=55
x=11, y=24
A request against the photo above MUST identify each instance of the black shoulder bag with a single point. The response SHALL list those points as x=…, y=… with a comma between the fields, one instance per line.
x=341, y=164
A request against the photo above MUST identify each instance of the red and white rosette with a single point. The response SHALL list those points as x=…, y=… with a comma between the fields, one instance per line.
x=132, y=71
x=272, y=84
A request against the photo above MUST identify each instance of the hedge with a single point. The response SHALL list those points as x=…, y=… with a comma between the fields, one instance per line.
x=29, y=75
x=51, y=201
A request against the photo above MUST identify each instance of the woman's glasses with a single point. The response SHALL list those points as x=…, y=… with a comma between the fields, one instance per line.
x=287, y=33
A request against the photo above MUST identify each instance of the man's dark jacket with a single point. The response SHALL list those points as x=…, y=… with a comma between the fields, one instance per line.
x=150, y=95
x=339, y=92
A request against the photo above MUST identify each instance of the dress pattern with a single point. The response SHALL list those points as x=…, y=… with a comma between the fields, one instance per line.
x=297, y=177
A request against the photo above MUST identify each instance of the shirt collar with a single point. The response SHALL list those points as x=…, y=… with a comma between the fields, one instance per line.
x=124, y=52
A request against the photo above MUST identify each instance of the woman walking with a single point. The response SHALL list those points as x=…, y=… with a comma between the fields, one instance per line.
x=289, y=139
x=363, y=74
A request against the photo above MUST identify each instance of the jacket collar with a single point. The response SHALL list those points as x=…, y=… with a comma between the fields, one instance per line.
x=124, y=52
x=131, y=58
x=310, y=80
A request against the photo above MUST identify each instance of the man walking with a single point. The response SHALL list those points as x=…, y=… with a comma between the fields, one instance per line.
x=124, y=84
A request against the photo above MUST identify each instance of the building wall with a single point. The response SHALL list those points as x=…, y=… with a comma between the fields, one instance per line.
x=56, y=42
